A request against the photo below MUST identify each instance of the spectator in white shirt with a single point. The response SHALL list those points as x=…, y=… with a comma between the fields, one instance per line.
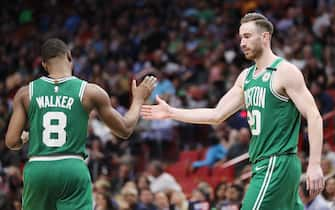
x=161, y=180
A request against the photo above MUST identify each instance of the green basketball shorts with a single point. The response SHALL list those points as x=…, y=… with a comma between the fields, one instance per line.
x=57, y=185
x=274, y=184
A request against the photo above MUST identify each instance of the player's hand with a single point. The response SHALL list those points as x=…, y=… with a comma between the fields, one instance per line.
x=143, y=91
x=24, y=137
x=156, y=112
x=314, y=179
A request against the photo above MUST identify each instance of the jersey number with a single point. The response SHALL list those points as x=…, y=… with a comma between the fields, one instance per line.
x=54, y=134
x=255, y=122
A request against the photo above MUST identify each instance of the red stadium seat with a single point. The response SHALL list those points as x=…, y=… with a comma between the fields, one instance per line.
x=189, y=155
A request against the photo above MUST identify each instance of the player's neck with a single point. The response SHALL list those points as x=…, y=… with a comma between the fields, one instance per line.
x=265, y=60
x=59, y=74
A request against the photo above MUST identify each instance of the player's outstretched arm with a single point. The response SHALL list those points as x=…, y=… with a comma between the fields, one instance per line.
x=295, y=87
x=17, y=121
x=229, y=104
x=121, y=126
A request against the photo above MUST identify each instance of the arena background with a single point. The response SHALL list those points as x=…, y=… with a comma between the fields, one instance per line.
x=192, y=46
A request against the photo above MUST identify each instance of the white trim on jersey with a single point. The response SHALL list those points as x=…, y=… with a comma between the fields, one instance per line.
x=82, y=90
x=275, y=93
x=60, y=80
x=31, y=90
x=51, y=158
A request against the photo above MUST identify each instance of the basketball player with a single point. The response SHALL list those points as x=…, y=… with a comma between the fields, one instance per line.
x=57, y=108
x=273, y=92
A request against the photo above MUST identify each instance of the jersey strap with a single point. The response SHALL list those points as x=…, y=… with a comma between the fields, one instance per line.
x=273, y=66
x=82, y=89
x=31, y=90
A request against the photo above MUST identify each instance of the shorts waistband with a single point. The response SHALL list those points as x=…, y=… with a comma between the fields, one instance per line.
x=52, y=158
x=267, y=157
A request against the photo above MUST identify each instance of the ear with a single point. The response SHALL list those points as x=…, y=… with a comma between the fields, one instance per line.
x=44, y=65
x=69, y=56
x=266, y=35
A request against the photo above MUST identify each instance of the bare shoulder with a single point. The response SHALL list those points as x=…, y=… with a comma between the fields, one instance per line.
x=22, y=93
x=93, y=89
x=288, y=74
x=94, y=96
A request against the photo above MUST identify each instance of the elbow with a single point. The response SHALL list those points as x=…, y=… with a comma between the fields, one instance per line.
x=125, y=134
x=315, y=117
x=11, y=144
x=216, y=119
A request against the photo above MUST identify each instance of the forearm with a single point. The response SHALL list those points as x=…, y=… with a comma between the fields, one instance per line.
x=197, y=116
x=132, y=116
x=315, y=136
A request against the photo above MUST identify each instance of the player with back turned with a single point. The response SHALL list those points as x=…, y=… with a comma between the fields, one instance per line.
x=57, y=109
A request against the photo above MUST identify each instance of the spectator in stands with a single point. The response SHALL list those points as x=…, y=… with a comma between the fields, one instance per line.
x=143, y=182
x=161, y=201
x=129, y=196
x=327, y=166
x=122, y=177
x=220, y=194
x=96, y=158
x=178, y=201
x=199, y=200
x=312, y=202
x=161, y=180
x=103, y=202
x=323, y=100
x=146, y=200
x=215, y=152
x=240, y=147
x=329, y=191
x=328, y=153
x=234, y=195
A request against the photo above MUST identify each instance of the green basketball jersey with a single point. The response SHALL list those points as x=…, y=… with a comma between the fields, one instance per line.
x=58, y=121
x=273, y=118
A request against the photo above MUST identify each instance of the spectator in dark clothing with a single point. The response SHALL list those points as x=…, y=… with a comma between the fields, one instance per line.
x=324, y=101
x=239, y=148
x=146, y=200
x=123, y=176
x=234, y=195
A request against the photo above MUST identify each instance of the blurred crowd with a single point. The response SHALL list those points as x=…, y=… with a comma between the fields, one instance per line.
x=192, y=47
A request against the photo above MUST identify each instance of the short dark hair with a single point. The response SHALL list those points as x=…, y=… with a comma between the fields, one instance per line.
x=158, y=166
x=260, y=20
x=52, y=48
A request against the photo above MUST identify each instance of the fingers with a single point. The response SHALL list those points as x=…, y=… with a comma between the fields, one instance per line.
x=146, y=112
x=25, y=136
x=133, y=84
x=321, y=184
x=149, y=82
x=314, y=186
